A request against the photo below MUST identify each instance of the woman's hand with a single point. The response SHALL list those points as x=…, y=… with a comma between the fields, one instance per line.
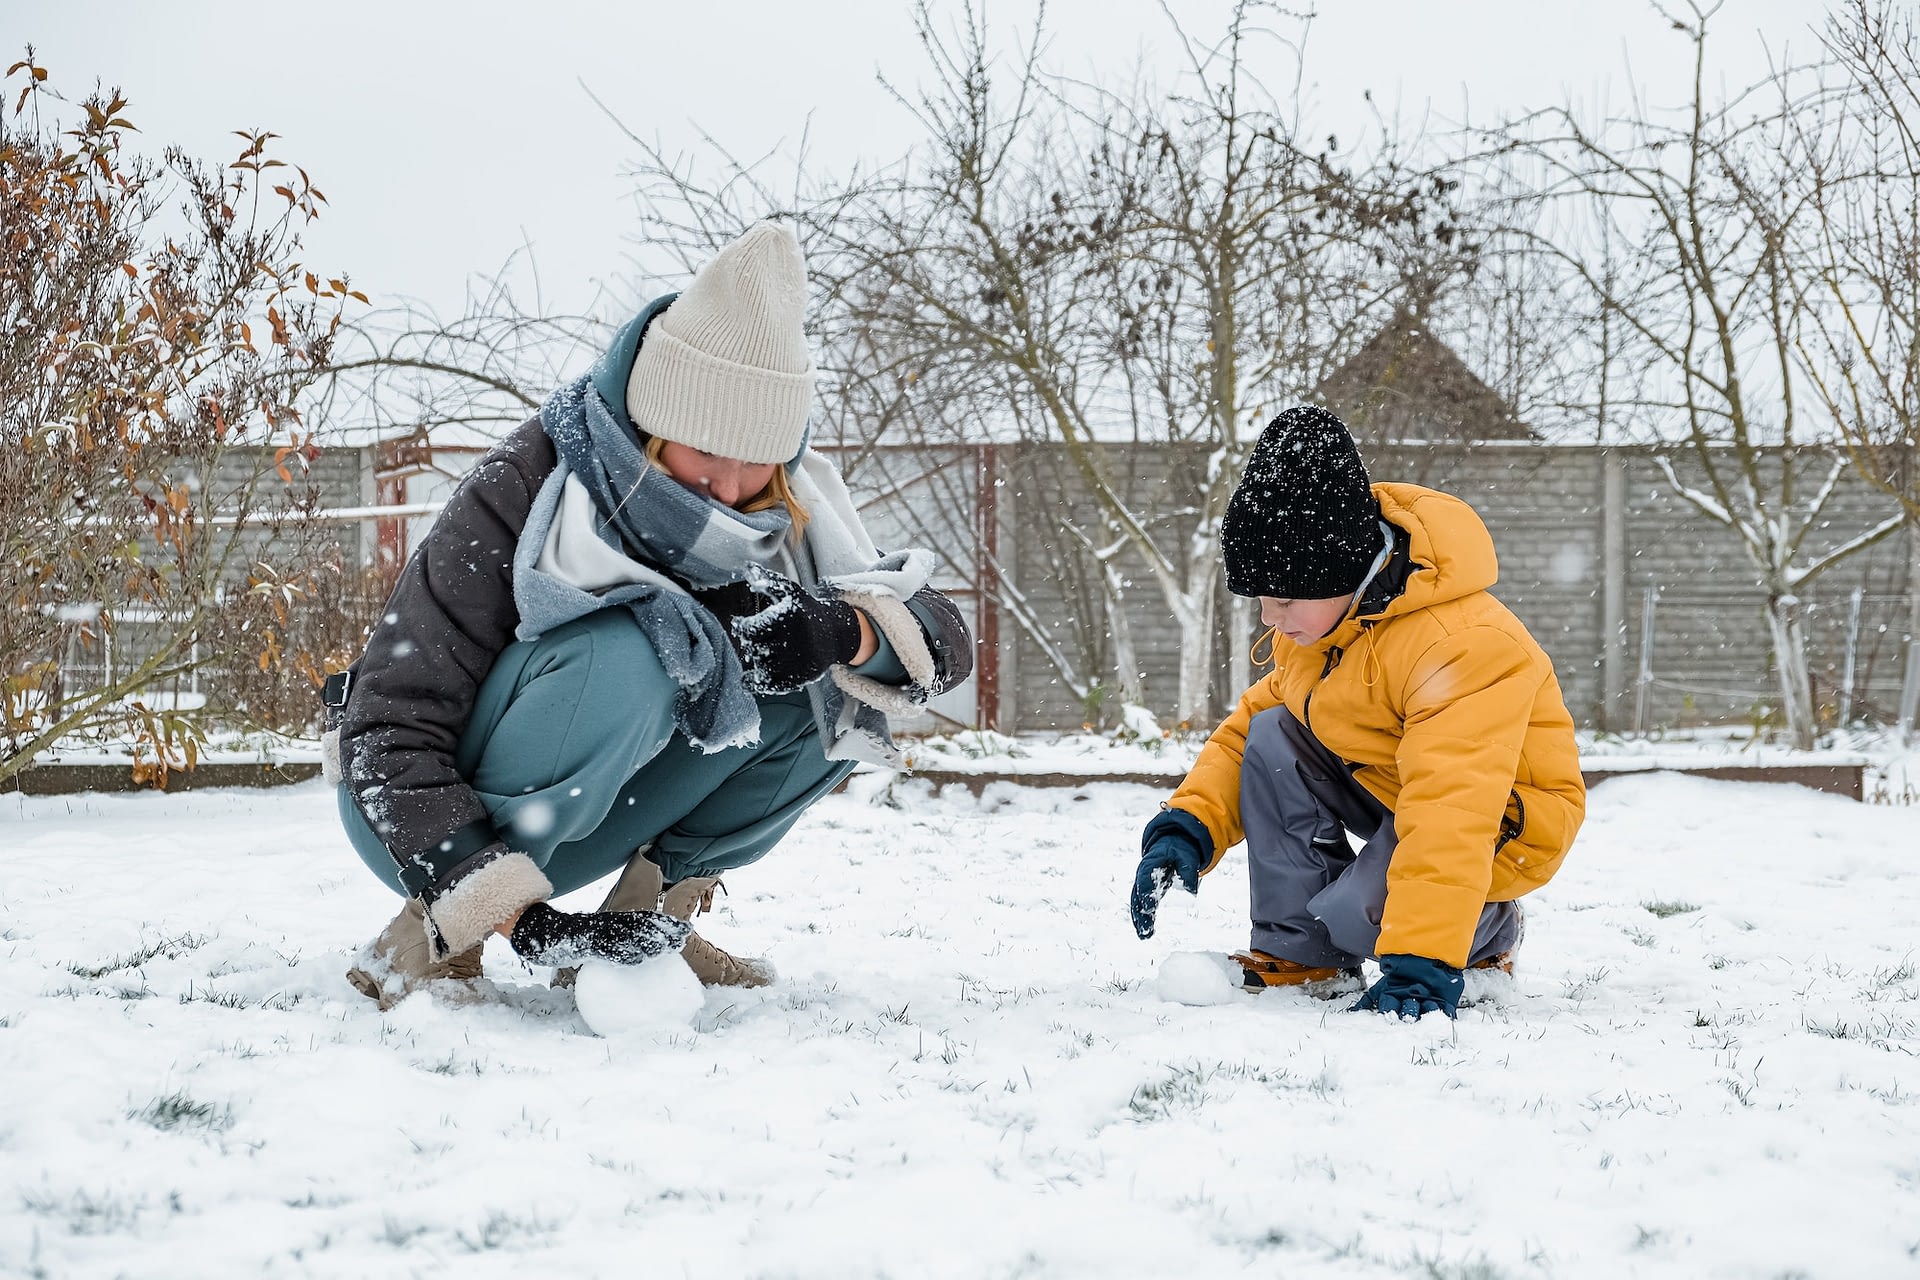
x=546, y=936
x=787, y=636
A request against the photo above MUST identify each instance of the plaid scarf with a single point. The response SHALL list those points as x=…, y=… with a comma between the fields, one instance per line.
x=660, y=525
x=699, y=541
x=661, y=538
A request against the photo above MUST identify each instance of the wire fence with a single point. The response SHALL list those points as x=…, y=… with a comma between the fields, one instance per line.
x=1706, y=658
x=1702, y=658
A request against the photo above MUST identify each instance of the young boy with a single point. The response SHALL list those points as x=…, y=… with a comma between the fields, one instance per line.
x=1406, y=705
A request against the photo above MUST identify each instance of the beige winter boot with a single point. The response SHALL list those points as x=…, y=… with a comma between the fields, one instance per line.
x=400, y=961
x=714, y=967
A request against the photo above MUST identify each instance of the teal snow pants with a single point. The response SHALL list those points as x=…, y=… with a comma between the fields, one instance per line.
x=573, y=751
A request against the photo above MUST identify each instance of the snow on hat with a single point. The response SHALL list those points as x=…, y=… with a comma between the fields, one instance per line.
x=725, y=369
x=1303, y=523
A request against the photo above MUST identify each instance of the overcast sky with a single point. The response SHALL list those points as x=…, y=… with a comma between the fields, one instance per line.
x=447, y=134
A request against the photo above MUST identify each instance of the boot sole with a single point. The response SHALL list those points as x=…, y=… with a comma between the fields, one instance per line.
x=1260, y=972
x=369, y=986
x=1340, y=984
x=454, y=990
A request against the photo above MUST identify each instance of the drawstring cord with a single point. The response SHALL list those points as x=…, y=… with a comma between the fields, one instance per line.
x=1370, y=670
x=1265, y=637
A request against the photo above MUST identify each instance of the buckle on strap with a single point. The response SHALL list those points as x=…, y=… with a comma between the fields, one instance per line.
x=419, y=872
x=333, y=690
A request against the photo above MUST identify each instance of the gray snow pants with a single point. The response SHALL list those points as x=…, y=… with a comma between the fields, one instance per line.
x=1315, y=901
x=572, y=749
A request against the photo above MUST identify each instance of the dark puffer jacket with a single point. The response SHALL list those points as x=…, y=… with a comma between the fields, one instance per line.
x=450, y=615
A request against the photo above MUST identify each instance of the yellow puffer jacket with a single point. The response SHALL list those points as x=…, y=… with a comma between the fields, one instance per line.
x=1452, y=712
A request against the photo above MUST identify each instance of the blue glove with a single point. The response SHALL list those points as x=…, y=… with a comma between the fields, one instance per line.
x=1174, y=844
x=1410, y=986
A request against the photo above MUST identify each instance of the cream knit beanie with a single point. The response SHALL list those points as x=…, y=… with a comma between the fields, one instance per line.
x=725, y=369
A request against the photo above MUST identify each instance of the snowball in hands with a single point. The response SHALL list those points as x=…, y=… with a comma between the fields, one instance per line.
x=662, y=995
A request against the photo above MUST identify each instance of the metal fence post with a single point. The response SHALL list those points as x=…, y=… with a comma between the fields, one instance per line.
x=1853, y=651
x=1910, y=681
x=1613, y=590
x=1643, y=690
x=986, y=519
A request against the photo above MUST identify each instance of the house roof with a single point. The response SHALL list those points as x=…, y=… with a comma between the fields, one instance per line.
x=1407, y=385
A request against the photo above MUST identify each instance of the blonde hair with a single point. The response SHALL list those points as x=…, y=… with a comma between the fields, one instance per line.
x=778, y=493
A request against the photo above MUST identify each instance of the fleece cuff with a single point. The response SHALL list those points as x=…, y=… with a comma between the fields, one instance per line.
x=330, y=757
x=902, y=630
x=485, y=891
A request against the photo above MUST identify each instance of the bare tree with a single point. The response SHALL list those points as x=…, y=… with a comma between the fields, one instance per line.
x=485, y=370
x=1094, y=272
x=1700, y=221
x=1863, y=350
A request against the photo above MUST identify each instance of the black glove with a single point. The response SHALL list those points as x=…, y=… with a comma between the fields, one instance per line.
x=561, y=938
x=734, y=600
x=1174, y=844
x=786, y=635
x=1410, y=986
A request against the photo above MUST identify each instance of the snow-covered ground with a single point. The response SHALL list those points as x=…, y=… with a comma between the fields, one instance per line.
x=1708, y=1064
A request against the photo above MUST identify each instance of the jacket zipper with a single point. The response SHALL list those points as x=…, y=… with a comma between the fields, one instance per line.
x=1306, y=708
x=1511, y=828
x=1334, y=654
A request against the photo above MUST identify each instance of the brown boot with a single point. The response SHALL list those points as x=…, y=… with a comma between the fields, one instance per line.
x=1258, y=971
x=1503, y=962
x=715, y=968
x=400, y=961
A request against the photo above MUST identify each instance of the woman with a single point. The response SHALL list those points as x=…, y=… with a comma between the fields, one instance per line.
x=646, y=632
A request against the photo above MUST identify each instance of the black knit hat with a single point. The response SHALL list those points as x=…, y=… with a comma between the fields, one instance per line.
x=1303, y=523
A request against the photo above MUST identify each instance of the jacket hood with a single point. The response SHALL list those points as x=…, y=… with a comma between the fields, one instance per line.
x=1449, y=548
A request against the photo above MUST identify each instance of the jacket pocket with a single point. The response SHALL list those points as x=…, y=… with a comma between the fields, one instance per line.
x=1513, y=822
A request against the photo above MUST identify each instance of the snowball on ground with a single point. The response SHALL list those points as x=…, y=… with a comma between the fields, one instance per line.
x=658, y=997
x=1198, y=978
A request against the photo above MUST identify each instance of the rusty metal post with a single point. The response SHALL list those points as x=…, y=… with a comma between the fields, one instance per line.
x=986, y=509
